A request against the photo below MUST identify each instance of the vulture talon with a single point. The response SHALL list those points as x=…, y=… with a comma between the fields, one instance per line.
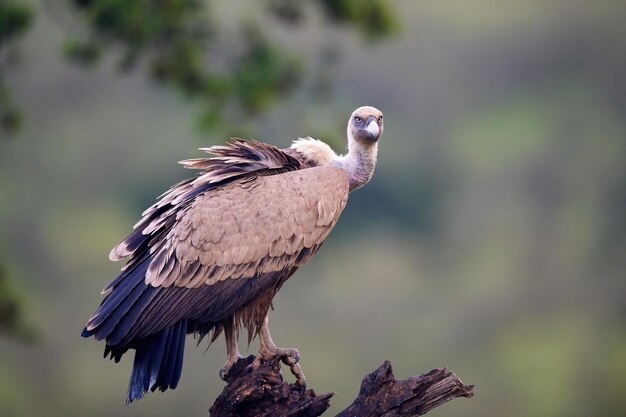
x=301, y=386
x=296, y=370
x=291, y=358
x=230, y=362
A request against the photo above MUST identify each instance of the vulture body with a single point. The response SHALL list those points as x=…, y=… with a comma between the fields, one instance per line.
x=212, y=252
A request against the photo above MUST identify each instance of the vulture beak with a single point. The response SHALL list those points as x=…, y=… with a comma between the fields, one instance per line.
x=373, y=130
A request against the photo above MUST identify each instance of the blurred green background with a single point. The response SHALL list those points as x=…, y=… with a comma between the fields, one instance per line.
x=492, y=238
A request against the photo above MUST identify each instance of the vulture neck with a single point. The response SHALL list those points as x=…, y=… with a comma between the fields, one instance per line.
x=359, y=162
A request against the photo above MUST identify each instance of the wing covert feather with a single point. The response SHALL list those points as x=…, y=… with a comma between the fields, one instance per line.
x=249, y=226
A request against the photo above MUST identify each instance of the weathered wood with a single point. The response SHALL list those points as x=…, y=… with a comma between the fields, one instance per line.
x=382, y=394
x=263, y=392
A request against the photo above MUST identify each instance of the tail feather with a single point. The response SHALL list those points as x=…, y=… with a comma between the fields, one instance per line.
x=158, y=362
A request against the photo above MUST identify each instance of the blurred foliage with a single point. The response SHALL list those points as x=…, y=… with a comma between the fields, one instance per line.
x=230, y=73
x=373, y=17
x=12, y=306
x=15, y=19
x=226, y=72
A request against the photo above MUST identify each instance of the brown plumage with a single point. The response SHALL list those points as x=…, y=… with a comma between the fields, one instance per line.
x=212, y=252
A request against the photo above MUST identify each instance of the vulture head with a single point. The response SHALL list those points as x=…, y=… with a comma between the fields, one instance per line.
x=366, y=125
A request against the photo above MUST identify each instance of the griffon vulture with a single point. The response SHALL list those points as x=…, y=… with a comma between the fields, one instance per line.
x=214, y=250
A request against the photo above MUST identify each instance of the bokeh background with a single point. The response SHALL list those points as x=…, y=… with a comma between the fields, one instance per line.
x=492, y=238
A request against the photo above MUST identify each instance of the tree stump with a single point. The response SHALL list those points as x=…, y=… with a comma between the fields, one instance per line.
x=263, y=393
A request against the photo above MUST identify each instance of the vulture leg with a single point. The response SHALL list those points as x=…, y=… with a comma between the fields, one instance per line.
x=232, y=349
x=269, y=350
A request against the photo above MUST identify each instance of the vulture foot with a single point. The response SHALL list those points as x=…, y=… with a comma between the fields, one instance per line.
x=289, y=356
x=230, y=361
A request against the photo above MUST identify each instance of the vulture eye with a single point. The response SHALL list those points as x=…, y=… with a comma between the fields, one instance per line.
x=380, y=119
x=358, y=119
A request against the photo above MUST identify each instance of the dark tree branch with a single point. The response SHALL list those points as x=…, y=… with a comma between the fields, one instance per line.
x=263, y=393
x=383, y=395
